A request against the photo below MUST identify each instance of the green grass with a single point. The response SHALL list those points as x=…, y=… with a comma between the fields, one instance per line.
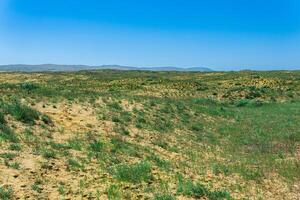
x=164, y=164
x=6, y=193
x=15, y=147
x=23, y=113
x=135, y=173
x=197, y=190
x=36, y=186
x=48, y=153
x=241, y=125
x=96, y=146
x=121, y=146
x=113, y=192
x=2, y=119
x=7, y=134
x=270, y=131
x=14, y=165
x=8, y=156
x=164, y=197
x=75, y=144
x=73, y=164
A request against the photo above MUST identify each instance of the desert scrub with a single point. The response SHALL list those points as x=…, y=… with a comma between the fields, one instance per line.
x=134, y=173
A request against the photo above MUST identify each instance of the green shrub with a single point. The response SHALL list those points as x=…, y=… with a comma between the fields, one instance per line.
x=23, y=113
x=135, y=173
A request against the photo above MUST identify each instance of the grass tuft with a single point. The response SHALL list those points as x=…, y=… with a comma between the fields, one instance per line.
x=135, y=173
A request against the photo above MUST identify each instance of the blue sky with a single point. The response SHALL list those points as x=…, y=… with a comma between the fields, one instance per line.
x=221, y=34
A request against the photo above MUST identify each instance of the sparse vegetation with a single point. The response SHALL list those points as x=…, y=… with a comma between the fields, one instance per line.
x=150, y=135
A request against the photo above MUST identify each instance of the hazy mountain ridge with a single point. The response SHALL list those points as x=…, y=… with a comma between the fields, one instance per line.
x=55, y=67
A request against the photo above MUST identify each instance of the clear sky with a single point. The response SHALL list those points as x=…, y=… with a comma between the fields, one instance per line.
x=220, y=34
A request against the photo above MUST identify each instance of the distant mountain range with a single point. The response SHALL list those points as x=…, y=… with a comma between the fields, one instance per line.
x=54, y=67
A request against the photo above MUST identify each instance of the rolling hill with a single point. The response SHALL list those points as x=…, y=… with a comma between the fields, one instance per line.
x=55, y=67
